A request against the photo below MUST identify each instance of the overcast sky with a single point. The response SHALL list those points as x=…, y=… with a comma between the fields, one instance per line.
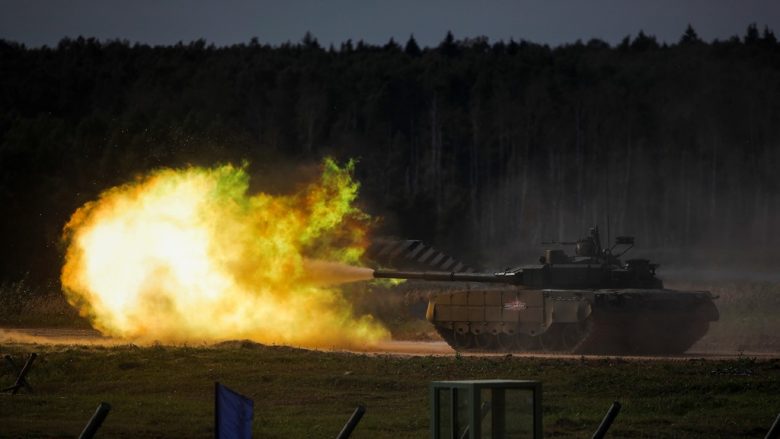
x=39, y=22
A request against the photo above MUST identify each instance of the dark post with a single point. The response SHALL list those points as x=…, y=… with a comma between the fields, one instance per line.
x=97, y=420
x=607, y=421
x=17, y=371
x=774, y=430
x=216, y=410
x=20, y=381
x=352, y=423
x=498, y=405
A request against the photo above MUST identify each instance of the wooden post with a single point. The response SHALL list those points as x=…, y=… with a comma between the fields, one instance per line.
x=96, y=421
x=17, y=371
x=607, y=421
x=774, y=430
x=352, y=422
x=20, y=381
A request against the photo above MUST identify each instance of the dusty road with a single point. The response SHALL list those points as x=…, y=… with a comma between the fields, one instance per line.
x=90, y=337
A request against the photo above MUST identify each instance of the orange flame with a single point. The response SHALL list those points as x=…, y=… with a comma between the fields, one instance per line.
x=188, y=256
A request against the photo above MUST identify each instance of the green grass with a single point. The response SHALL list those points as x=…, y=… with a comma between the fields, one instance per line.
x=168, y=392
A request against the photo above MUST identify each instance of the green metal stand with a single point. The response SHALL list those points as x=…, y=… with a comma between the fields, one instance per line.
x=494, y=409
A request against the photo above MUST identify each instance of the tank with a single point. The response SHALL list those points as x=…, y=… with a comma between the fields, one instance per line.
x=588, y=302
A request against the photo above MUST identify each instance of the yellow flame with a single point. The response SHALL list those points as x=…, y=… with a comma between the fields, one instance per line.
x=189, y=256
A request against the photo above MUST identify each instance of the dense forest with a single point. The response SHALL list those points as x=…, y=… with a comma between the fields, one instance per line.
x=482, y=148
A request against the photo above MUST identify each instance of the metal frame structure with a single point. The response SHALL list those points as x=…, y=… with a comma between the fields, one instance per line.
x=477, y=408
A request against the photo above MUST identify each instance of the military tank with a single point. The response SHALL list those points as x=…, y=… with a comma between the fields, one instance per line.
x=589, y=302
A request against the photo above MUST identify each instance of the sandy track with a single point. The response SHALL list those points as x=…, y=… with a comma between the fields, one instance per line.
x=90, y=337
x=56, y=336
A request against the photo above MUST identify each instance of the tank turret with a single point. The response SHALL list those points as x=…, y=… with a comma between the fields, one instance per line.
x=588, y=302
x=590, y=267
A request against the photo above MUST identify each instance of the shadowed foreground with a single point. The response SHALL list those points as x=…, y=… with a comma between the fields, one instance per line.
x=168, y=391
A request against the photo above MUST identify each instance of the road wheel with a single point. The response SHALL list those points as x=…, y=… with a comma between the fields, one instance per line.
x=572, y=334
x=525, y=342
x=551, y=340
x=506, y=342
x=486, y=342
x=463, y=340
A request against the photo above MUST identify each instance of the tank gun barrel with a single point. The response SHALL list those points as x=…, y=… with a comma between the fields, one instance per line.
x=451, y=276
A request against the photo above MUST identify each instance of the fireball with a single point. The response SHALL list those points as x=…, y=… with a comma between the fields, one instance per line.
x=188, y=255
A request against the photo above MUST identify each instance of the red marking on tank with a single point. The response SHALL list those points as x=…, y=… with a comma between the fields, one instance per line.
x=515, y=305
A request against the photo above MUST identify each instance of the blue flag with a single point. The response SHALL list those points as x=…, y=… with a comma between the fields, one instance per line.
x=232, y=414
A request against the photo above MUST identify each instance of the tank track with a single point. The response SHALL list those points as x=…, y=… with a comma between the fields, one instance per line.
x=617, y=333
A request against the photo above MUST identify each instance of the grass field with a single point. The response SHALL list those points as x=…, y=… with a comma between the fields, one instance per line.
x=168, y=392
x=164, y=391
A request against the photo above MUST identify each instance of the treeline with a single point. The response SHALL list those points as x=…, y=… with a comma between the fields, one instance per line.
x=475, y=146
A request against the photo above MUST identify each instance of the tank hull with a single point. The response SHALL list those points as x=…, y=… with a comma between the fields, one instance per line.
x=603, y=321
